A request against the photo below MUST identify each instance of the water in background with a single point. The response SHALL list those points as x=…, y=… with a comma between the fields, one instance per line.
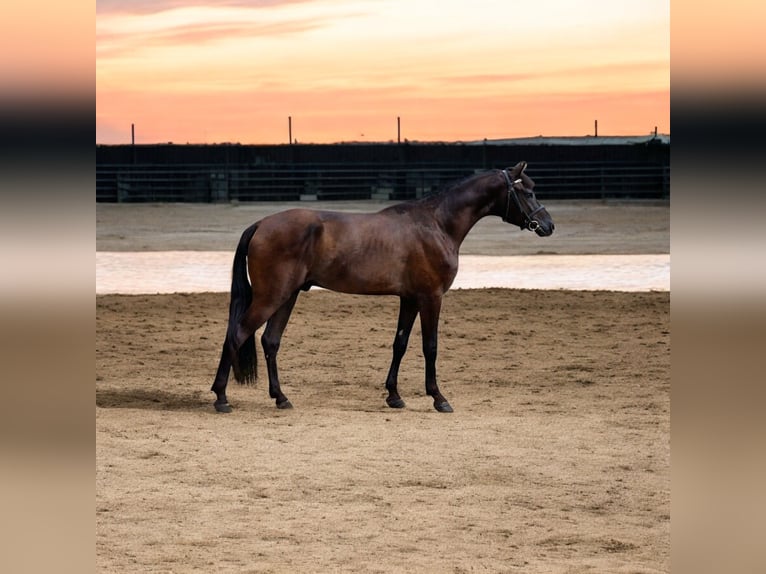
x=200, y=271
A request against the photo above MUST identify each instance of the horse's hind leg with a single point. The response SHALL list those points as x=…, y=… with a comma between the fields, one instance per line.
x=222, y=379
x=228, y=357
x=255, y=316
x=408, y=310
x=270, y=341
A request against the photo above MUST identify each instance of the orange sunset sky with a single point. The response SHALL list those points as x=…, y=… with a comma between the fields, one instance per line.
x=212, y=71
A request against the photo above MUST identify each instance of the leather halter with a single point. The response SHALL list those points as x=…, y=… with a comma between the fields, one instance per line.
x=528, y=221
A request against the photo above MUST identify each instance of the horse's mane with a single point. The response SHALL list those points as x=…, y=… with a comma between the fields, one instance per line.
x=443, y=194
x=447, y=189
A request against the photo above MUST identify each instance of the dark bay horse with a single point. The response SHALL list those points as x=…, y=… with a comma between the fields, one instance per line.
x=409, y=249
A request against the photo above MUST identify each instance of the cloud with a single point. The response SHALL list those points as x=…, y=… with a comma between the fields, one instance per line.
x=114, y=44
x=145, y=7
x=609, y=69
x=188, y=24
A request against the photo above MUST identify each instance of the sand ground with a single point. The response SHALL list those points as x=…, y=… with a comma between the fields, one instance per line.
x=556, y=459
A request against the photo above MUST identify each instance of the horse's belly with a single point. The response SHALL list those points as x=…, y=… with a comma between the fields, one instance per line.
x=360, y=278
x=394, y=277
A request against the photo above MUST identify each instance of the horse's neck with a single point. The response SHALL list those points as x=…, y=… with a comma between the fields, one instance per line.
x=463, y=207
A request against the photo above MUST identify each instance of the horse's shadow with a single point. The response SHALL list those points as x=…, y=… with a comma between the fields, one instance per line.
x=154, y=400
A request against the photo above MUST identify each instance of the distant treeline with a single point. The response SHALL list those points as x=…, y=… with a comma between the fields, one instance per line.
x=227, y=172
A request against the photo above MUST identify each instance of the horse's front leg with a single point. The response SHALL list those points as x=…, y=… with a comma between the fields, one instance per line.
x=429, y=324
x=270, y=340
x=408, y=310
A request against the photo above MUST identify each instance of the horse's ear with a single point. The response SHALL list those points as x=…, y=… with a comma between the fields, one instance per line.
x=518, y=169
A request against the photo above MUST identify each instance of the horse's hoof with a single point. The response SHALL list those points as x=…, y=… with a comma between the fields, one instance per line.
x=443, y=407
x=222, y=407
x=395, y=403
x=286, y=404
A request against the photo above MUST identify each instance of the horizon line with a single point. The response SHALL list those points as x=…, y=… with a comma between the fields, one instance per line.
x=649, y=136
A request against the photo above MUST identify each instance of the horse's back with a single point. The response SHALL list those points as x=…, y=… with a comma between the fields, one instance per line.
x=373, y=253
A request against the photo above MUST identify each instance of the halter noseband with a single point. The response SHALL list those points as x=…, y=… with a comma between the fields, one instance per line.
x=528, y=221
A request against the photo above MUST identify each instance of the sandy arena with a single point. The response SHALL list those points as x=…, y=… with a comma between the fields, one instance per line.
x=556, y=459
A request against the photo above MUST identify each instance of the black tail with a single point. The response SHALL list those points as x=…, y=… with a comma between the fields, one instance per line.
x=246, y=362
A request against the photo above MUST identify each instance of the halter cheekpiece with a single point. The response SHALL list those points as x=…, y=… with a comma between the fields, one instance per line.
x=527, y=219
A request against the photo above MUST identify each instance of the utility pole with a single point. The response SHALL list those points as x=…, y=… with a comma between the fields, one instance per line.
x=398, y=129
x=290, y=129
x=133, y=143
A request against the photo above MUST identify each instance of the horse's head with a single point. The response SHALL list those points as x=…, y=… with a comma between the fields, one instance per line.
x=522, y=207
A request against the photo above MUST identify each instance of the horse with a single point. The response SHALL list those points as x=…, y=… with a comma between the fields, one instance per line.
x=409, y=249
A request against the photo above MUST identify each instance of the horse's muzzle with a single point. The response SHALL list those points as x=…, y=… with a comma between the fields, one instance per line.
x=541, y=229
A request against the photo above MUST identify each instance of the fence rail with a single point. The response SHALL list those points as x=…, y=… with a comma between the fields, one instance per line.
x=285, y=182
